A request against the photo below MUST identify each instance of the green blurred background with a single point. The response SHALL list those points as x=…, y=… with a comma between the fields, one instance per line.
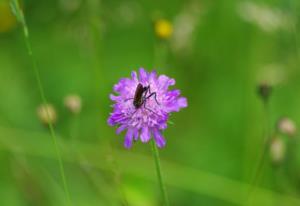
x=219, y=52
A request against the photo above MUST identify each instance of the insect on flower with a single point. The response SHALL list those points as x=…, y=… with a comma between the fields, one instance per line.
x=143, y=106
x=140, y=97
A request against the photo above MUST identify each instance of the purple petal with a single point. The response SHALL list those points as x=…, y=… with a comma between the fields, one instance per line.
x=145, y=134
x=117, y=118
x=182, y=102
x=136, y=134
x=121, y=85
x=163, y=117
x=152, y=76
x=174, y=105
x=114, y=118
x=163, y=126
x=173, y=94
x=115, y=98
x=121, y=128
x=159, y=139
x=143, y=75
x=111, y=122
x=128, y=138
x=134, y=76
x=164, y=82
x=125, y=87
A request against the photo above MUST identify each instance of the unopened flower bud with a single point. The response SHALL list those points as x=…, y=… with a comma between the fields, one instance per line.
x=277, y=150
x=73, y=103
x=264, y=91
x=163, y=29
x=47, y=114
x=287, y=126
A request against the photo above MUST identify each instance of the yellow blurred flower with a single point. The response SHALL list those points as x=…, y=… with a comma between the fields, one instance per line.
x=163, y=28
x=7, y=19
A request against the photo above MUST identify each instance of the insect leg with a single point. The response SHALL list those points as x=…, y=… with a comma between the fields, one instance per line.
x=128, y=99
x=148, y=108
x=153, y=94
x=146, y=90
x=134, y=112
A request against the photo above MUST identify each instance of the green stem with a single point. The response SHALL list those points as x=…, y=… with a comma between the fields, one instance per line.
x=160, y=55
x=20, y=16
x=262, y=157
x=159, y=173
x=117, y=175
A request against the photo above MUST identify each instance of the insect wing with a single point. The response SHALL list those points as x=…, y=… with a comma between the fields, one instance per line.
x=138, y=94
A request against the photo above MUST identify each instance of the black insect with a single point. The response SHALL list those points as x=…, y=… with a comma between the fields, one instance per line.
x=141, y=95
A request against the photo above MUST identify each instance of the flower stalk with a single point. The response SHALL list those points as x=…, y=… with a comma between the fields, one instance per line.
x=159, y=173
x=264, y=92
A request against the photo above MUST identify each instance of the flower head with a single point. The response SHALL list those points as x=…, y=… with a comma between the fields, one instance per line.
x=143, y=105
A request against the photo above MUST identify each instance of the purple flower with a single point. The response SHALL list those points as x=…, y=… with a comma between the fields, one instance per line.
x=143, y=105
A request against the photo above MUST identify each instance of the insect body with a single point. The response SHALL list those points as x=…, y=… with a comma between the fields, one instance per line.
x=139, y=96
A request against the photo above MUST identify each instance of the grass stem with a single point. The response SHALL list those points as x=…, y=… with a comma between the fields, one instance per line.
x=159, y=173
x=262, y=157
x=20, y=17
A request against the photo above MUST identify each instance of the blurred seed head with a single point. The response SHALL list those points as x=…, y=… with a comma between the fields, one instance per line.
x=47, y=114
x=277, y=150
x=267, y=18
x=163, y=28
x=287, y=126
x=73, y=103
x=264, y=91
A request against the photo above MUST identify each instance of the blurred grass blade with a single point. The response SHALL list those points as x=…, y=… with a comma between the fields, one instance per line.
x=15, y=6
x=194, y=180
x=15, y=10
